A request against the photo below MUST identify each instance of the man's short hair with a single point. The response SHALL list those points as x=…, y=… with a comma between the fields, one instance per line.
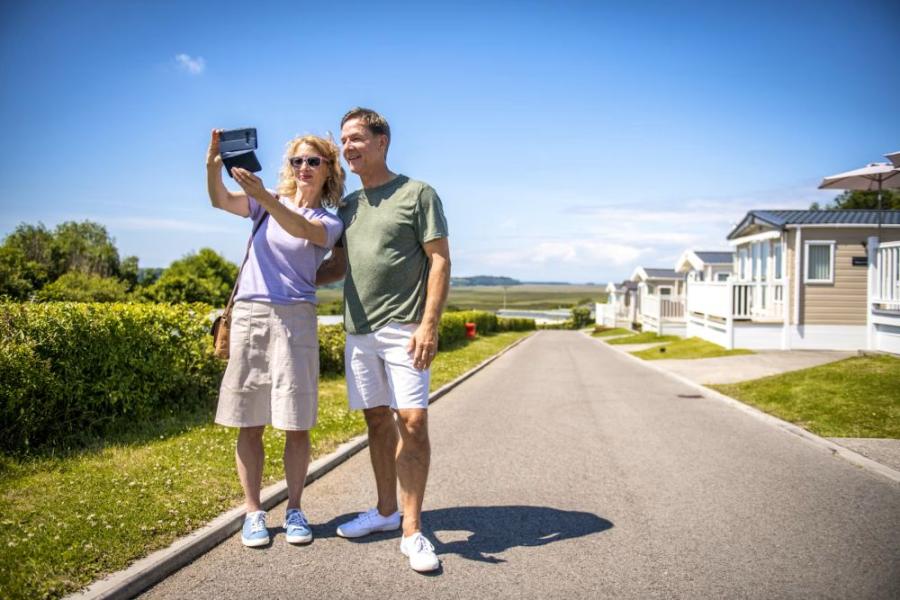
x=373, y=121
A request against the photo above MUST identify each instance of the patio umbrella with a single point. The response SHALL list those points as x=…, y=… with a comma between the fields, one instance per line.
x=894, y=157
x=872, y=177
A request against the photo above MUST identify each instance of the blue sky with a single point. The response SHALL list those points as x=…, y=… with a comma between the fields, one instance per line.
x=567, y=142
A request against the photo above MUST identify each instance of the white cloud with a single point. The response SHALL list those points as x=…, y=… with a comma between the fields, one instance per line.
x=194, y=66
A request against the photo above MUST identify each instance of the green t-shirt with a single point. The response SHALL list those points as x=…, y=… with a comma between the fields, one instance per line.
x=387, y=270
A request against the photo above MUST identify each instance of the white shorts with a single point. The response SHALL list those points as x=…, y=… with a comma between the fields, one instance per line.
x=380, y=371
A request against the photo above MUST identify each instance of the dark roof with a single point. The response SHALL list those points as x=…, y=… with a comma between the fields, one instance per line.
x=631, y=285
x=662, y=274
x=779, y=219
x=715, y=258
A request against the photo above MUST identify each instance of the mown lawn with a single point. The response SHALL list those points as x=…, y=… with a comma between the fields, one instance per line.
x=856, y=397
x=646, y=337
x=688, y=348
x=70, y=519
x=606, y=332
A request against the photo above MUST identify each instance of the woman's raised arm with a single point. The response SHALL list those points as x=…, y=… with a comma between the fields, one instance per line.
x=219, y=195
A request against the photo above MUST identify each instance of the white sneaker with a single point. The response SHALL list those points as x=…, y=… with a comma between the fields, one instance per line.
x=369, y=522
x=420, y=552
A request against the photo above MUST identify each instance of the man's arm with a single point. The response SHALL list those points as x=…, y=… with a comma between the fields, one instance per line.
x=423, y=345
x=333, y=268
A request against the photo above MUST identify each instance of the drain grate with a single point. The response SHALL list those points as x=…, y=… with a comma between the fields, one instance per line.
x=690, y=395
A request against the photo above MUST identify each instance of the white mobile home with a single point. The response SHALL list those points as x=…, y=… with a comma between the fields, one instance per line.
x=661, y=305
x=801, y=279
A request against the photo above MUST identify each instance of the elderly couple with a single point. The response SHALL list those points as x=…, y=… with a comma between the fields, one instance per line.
x=389, y=242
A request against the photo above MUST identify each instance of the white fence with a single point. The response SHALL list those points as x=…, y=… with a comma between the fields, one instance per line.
x=662, y=314
x=886, y=292
x=758, y=301
x=884, y=297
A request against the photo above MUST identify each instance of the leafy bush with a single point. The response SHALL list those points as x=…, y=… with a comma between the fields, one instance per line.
x=516, y=324
x=69, y=371
x=73, y=371
x=581, y=317
x=76, y=286
x=451, y=330
x=202, y=277
x=331, y=349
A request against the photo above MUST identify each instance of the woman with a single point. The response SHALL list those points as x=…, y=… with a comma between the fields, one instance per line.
x=272, y=375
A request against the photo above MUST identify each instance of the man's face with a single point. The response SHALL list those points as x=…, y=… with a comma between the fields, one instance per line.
x=362, y=149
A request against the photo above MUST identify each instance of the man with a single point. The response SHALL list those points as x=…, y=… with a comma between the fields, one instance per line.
x=396, y=258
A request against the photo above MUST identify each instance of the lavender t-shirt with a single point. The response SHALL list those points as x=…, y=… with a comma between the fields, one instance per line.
x=281, y=268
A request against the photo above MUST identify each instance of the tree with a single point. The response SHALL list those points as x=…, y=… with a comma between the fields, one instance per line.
x=202, y=277
x=85, y=247
x=26, y=261
x=76, y=286
x=32, y=256
x=858, y=199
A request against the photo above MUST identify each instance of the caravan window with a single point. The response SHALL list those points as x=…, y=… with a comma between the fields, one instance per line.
x=777, y=260
x=819, y=261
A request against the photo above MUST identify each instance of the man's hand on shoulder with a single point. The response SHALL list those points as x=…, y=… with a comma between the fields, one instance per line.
x=423, y=345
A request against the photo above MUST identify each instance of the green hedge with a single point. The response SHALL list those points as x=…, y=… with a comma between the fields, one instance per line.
x=71, y=371
x=75, y=370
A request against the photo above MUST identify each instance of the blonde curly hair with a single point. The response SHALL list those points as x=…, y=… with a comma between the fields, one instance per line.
x=333, y=190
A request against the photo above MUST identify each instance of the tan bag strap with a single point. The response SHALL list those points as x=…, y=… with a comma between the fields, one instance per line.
x=246, y=256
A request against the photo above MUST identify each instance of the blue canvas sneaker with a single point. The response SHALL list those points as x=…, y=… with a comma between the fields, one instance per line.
x=296, y=527
x=254, y=532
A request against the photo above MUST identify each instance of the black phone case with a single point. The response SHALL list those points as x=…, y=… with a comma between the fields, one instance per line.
x=245, y=160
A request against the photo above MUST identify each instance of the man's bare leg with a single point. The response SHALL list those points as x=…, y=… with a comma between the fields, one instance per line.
x=383, y=451
x=413, y=461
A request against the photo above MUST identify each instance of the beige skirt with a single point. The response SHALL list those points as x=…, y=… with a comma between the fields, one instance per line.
x=272, y=376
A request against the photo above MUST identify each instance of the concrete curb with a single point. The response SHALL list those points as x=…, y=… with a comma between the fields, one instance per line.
x=157, y=566
x=835, y=449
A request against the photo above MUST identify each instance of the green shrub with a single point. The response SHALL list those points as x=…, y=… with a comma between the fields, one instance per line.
x=516, y=324
x=76, y=286
x=452, y=330
x=331, y=349
x=72, y=371
x=581, y=317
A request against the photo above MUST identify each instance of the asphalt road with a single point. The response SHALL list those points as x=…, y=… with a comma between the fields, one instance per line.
x=564, y=470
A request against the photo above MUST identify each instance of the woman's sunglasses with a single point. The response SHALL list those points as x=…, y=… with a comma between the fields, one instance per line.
x=312, y=161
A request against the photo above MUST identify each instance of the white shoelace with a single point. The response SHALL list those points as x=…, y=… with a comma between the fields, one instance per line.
x=297, y=518
x=258, y=524
x=422, y=544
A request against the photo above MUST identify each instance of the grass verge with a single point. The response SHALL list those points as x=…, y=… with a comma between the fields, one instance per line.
x=606, y=332
x=689, y=348
x=647, y=337
x=855, y=397
x=71, y=519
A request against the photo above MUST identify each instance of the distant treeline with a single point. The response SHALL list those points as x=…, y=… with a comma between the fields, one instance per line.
x=483, y=280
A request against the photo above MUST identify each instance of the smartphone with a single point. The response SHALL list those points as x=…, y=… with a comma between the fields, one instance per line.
x=236, y=146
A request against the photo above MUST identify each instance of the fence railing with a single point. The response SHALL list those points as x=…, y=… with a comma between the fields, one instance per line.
x=886, y=292
x=756, y=300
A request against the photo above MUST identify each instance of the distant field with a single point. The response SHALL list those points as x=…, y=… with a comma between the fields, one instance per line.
x=535, y=297
x=525, y=296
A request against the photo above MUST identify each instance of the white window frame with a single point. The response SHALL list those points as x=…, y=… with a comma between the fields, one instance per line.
x=660, y=288
x=831, y=249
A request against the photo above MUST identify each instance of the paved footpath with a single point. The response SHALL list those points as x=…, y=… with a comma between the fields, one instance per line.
x=566, y=470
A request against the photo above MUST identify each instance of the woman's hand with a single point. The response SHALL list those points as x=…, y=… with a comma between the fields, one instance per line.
x=213, y=158
x=250, y=183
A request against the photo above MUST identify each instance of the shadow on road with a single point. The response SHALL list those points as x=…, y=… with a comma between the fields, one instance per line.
x=479, y=532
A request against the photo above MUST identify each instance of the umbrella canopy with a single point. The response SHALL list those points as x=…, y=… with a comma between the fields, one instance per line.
x=873, y=177
x=894, y=157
